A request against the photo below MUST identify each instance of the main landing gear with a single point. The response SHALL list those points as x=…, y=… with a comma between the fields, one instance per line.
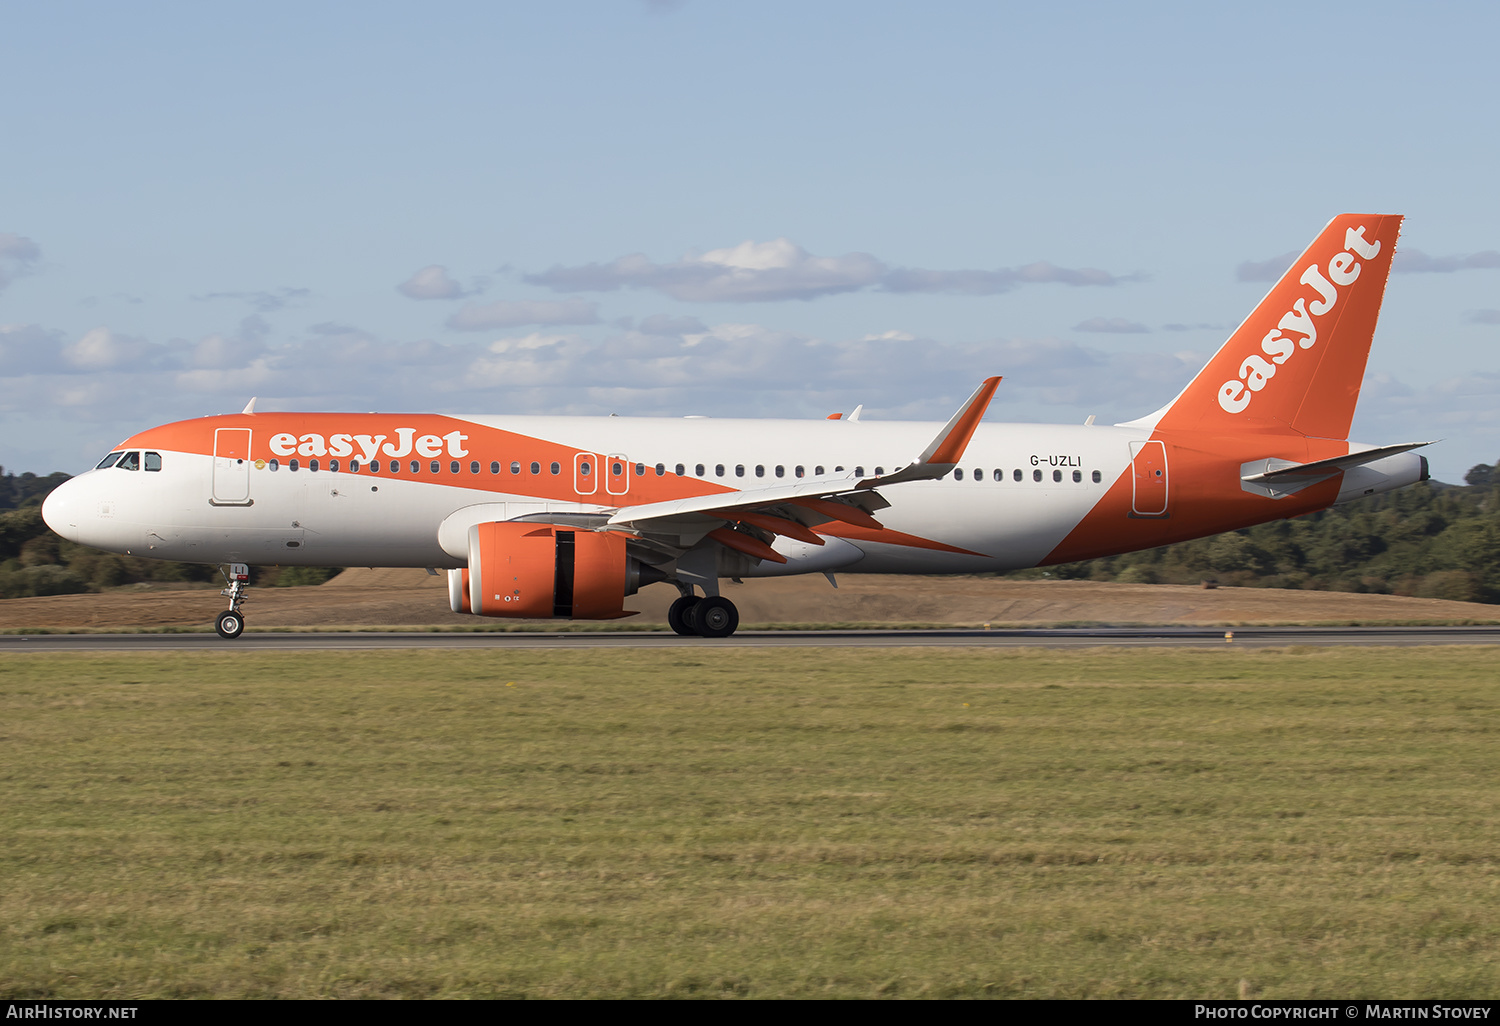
x=713, y=617
x=231, y=624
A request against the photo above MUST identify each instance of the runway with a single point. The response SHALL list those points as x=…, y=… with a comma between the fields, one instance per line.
x=1060, y=637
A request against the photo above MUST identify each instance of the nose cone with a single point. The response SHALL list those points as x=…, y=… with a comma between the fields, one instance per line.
x=64, y=508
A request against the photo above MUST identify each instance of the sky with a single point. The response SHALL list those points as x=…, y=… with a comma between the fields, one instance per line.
x=718, y=208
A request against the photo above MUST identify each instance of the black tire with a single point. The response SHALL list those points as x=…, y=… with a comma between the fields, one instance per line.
x=230, y=625
x=716, y=617
x=679, y=615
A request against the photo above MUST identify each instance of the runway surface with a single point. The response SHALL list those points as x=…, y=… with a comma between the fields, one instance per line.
x=1062, y=637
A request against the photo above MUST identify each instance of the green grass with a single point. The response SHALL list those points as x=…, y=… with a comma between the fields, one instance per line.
x=1154, y=823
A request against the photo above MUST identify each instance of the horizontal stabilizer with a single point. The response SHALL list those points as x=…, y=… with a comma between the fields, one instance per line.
x=1276, y=478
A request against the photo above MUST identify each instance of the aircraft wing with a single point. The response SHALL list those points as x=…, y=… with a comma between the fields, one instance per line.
x=790, y=509
x=935, y=461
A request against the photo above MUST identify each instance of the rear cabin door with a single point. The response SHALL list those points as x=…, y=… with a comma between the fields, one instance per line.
x=617, y=478
x=1149, y=461
x=231, y=467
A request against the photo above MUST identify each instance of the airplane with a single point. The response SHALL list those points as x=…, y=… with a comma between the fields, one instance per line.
x=566, y=517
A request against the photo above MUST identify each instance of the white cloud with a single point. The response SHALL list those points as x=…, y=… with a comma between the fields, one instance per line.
x=265, y=301
x=28, y=349
x=101, y=349
x=17, y=254
x=510, y=314
x=730, y=369
x=1265, y=270
x=431, y=282
x=1111, y=325
x=1414, y=261
x=781, y=270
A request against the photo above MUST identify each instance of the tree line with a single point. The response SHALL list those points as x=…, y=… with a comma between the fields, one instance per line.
x=1431, y=540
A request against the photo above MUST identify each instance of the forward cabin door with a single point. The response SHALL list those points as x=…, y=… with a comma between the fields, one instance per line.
x=1149, y=462
x=231, y=467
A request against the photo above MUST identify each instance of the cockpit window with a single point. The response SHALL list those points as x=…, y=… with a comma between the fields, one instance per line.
x=130, y=461
x=109, y=460
x=153, y=461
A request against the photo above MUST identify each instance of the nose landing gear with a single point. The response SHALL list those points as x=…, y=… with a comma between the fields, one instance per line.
x=231, y=624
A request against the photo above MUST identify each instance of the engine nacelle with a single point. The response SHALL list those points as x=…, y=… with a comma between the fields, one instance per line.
x=541, y=571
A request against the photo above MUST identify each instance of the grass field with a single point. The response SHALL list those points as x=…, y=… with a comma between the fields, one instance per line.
x=763, y=823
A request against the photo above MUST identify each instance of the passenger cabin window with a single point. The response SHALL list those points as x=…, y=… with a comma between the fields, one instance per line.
x=800, y=472
x=818, y=471
x=333, y=466
x=978, y=475
x=719, y=470
x=859, y=471
x=999, y=475
x=1057, y=475
x=354, y=466
x=1077, y=476
x=1017, y=475
x=1036, y=475
x=494, y=467
x=739, y=470
x=515, y=468
x=473, y=466
x=130, y=461
x=109, y=460
x=958, y=473
x=640, y=470
x=292, y=465
x=1096, y=477
x=556, y=468
x=698, y=470
x=153, y=461
x=760, y=471
x=781, y=471
x=661, y=468
x=434, y=466
x=680, y=470
x=453, y=467
x=311, y=465
x=879, y=471
x=416, y=466
x=395, y=466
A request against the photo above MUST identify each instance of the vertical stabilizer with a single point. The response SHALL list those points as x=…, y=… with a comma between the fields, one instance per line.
x=1297, y=361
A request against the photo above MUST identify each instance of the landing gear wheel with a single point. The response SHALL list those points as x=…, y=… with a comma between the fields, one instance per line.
x=716, y=617
x=230, y=624
x=679, y=614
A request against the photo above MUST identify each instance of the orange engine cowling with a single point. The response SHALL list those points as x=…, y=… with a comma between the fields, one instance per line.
x=543, y=571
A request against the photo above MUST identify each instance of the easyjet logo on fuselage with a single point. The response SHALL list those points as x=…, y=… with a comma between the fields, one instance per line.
x=1297, y=329
x=406, y=442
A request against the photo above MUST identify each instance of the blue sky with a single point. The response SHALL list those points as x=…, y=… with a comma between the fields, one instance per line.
x=525, y=208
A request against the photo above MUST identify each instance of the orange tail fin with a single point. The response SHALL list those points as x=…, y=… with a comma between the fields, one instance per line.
x=1297, y=361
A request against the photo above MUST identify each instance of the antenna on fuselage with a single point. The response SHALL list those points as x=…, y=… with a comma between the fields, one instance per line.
x=250, y=406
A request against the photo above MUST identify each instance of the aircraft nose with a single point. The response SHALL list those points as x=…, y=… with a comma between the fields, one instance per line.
x=63, y=509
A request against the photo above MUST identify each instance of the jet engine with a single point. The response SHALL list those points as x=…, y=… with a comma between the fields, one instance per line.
x=541, y=571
